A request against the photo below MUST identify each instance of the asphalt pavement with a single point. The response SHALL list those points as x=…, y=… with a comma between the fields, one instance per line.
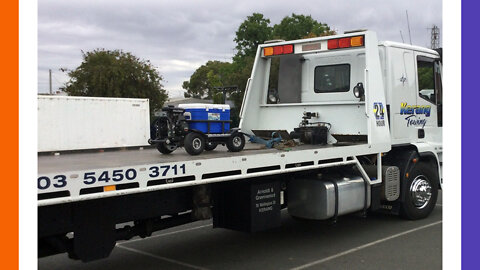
x=376, y=242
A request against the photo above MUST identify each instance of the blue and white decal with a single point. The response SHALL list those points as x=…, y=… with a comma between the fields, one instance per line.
x=416, y=115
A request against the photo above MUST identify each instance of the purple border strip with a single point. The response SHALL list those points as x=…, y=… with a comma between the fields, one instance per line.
x=470, y=98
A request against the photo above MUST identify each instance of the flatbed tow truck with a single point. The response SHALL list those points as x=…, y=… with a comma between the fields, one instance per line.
x=381, y=100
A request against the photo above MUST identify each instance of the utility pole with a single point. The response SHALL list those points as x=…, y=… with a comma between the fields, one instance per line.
x=50, y=80
x=435, y=37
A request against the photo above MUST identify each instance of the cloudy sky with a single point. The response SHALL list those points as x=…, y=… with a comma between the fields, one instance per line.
x=179, y=36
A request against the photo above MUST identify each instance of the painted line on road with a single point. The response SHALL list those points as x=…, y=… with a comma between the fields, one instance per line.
x=165, y=234
x=162, y=258
x=363, y=246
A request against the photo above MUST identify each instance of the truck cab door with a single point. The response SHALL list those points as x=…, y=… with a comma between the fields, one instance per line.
x=428, y=117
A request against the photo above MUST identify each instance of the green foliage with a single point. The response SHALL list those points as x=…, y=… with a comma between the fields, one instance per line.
x=206, y=77
x=105, y=73
x=253, y=31
x=300, y=26
x=425, y=77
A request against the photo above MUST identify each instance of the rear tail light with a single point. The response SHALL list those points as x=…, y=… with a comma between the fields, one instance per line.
x=278, y=50
x=347, y=42
x=344, y=42
x=333, y=44
x=287, y=49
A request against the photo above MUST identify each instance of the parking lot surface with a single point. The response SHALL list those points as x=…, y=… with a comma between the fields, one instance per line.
x=376, y=242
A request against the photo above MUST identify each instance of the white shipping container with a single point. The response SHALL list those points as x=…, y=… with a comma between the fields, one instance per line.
x=78, y=123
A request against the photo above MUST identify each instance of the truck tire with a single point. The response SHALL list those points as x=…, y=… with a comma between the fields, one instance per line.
x=166, y=148
x=194, y=143
x=421, y=192
x=210, y=146
x=236, y=142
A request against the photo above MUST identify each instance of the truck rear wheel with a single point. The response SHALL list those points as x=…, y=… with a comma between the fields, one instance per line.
x=236, y=142
x=194, y=143
x=421, y=192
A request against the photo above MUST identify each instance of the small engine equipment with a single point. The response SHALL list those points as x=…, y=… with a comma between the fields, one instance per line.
x=196, y=127
x=311, y=133
x=170, y=127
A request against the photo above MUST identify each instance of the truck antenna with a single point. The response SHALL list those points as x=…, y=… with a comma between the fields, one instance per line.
x=408, y=24
x=401, y=35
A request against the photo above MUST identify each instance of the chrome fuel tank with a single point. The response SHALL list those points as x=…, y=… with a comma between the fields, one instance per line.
x=315, y=198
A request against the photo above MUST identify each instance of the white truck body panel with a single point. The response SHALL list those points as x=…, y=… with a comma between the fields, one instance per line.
x=78, y=123
x=346, y=114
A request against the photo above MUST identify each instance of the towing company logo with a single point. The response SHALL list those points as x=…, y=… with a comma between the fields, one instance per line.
x=417, y=114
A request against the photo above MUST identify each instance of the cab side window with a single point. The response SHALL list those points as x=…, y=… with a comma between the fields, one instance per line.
x=426, y=79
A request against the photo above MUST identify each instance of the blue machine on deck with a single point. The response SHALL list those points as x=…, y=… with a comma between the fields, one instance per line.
x=196, y=127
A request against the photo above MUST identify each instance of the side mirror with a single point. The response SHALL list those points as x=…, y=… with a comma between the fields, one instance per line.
x=359, y=91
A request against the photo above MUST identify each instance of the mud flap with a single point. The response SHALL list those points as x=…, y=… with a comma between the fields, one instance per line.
x=94, y=233
x=247, y=206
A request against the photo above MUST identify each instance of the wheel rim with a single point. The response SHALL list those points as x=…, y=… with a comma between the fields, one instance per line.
x=420, y=191
x=237, y=141
x=196, y=143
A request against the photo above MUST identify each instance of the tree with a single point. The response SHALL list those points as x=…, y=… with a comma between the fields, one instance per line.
x=253, y=31
x=105, y=73
x=203, y=81
x=300, y=26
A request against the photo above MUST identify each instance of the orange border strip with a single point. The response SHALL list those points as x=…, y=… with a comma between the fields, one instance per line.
x=9, y=75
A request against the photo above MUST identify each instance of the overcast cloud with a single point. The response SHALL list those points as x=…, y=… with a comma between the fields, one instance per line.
x=179, y=36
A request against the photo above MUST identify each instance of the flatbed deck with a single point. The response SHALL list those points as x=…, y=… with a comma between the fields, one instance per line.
x=73, y=177
x=117, y=158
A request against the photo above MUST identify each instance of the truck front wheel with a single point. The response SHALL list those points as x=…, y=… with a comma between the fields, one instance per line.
x=421, y=192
